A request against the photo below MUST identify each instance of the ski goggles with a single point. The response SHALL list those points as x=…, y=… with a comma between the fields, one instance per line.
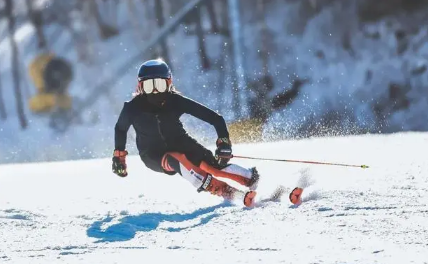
x=150, y=85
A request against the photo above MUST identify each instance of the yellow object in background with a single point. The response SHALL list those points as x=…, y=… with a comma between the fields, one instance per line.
x=246, y=131
x=36, y=70
x=46, y=102
x=42, y=103
x=63, y=101
x=51, y=76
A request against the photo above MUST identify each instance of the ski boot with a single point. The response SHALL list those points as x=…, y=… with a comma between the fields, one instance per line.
x=222, y=189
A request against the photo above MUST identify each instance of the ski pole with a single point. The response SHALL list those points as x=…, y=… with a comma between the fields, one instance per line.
x=304, y=161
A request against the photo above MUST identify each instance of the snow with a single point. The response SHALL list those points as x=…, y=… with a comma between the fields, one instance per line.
x=80, y=212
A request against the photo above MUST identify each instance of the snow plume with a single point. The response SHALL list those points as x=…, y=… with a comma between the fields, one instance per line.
x=364, y=76
x=306, y=181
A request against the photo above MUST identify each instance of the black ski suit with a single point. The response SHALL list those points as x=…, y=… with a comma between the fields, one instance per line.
x=156, y=120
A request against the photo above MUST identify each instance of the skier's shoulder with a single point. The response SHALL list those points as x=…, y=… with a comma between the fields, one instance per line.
x=132, y=104
x=137, y=100
x=180, y=98
x=175, y=99
x=175, y=96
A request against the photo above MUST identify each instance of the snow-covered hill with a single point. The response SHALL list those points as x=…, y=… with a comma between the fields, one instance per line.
x=79, y=212
x=355, y=70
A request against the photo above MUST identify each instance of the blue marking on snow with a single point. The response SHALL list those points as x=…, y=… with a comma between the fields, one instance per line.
x=17, y=217
x=324, y=209
x=203, y=221
x=369, y=208
x=128, y=226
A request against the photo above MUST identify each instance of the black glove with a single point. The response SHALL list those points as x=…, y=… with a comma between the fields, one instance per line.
x=119, y=162
x=223, y=152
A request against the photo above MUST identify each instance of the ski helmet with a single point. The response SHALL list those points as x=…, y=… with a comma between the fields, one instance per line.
x=152, y=69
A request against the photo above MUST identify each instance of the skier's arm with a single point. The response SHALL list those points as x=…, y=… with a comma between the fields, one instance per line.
x=223, y=152
x=120, y=134
x=121, y=128
x=202, y=112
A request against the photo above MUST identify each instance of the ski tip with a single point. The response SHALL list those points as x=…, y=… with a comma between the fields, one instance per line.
x=249, y=199
x=296, y=196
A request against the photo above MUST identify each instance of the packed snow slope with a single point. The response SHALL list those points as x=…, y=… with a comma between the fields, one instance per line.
x=80, y=212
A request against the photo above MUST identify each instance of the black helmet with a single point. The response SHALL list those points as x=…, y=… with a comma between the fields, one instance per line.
x=152, y=69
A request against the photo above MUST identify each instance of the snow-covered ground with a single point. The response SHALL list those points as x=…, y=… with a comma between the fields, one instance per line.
x=80, y=212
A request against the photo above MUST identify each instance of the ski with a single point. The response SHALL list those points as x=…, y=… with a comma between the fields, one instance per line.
x=296, y=196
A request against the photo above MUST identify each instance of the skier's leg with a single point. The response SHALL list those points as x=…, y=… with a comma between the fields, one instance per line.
x=220, y=188
x=200, y=156
x=246, y=177
x=153, y=161
x=202, y=180
x=173, y=161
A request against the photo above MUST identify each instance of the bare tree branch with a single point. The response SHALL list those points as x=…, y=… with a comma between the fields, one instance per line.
x=106, y=30
x=36, y=19
x=15, y=63
x=77, y=24
x=283, y=99
x=264, y=36
x=133, y=17
x=161, y=21
x=212, y=15
x=3, y=114
x=149, y=17
x=201, y=41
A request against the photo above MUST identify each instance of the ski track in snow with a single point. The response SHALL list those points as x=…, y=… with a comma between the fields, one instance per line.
x=79, y=212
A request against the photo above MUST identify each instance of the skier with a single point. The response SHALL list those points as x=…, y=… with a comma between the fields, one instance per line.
x=165, y=146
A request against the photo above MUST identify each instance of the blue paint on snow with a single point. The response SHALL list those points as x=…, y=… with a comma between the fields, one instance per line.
x=128, y=226
x=203, y=221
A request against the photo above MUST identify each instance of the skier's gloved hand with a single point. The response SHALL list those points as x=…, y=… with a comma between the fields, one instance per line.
x=119, y=162
x=223, y=152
